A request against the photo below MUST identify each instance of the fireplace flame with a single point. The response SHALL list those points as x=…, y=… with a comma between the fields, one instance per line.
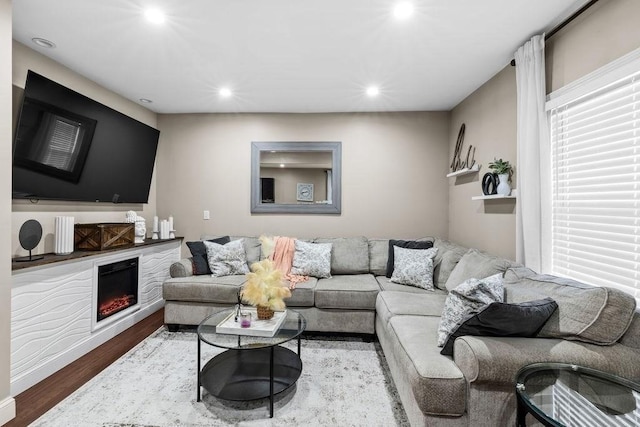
x=116, y=304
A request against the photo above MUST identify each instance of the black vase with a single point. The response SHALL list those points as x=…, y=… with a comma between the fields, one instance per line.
x=490, y=184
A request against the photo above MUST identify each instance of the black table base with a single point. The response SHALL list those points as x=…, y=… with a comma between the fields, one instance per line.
x=250, y=374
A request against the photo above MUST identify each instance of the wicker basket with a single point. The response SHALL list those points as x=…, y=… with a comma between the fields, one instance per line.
x=264, y=313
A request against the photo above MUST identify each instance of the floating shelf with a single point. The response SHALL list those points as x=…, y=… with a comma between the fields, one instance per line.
x=475, y=168
x=513, y=195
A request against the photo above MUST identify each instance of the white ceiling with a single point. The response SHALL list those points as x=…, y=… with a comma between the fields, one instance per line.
x=287, y=55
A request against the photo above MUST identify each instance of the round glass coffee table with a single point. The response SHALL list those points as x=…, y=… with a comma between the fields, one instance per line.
x=561, y=394
x=253, y=367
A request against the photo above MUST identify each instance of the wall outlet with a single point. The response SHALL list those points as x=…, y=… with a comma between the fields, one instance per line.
x=206, y=215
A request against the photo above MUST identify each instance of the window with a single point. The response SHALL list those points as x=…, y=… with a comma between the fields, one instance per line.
x=595, y=202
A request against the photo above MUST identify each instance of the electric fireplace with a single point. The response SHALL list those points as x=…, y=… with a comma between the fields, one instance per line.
x=117, y=287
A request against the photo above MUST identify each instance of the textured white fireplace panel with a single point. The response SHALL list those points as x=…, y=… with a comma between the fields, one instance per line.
x=52, y=310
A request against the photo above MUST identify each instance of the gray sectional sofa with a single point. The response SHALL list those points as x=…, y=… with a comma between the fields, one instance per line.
x=475, y=387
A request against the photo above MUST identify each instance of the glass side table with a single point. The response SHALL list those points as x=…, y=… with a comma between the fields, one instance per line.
x=561, y=394
x=253, y=367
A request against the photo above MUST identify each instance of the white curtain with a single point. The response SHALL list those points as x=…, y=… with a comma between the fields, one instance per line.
x=533, y=166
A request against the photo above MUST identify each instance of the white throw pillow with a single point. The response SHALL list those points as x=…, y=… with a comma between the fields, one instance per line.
x=312, y=259
x=226, y=260
x=413, y=267
x=467, y=298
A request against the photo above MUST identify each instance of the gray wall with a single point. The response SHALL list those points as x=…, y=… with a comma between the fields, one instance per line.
x=604, y=33
x=393, y=173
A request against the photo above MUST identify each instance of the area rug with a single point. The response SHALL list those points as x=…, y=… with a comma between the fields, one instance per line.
x=344, y=382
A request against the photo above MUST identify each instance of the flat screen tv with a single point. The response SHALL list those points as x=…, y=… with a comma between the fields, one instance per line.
x=70, y=147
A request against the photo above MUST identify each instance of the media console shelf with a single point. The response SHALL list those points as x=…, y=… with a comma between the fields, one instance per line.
x=54, y=300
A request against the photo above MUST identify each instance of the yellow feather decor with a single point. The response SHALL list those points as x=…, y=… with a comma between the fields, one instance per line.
x=265, y=287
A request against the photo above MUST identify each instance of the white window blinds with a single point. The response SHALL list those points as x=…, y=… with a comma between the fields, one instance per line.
x=595, y=146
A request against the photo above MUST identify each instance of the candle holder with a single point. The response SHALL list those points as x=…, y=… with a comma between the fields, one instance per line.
x=172, y=234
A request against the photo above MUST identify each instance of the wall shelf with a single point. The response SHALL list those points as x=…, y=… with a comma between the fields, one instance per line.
x=513, y=195
x=475, y=168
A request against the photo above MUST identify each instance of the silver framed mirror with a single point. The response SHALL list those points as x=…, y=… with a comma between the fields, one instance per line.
x=296, y=177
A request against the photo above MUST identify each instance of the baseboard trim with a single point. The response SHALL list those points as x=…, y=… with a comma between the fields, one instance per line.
x=7, y=410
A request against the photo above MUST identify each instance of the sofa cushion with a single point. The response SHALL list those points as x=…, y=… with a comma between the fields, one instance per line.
x=205, y=289
x=438, y=385
x=199, y=254
x=500, y=319
x=352, y=291
x=476, y=265
x=312, y=259
x=469, y=297
x=252, y=248
x=597, y=315
x=391, y=303
x=413, y=267
x=378, y=254
x=445, y=261
x=407, y=244
x=349, y=255
x=387, y=285
x=304, y=294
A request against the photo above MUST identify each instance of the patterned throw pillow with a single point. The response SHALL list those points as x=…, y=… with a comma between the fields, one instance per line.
x=312, y=259
x=199, y=259
x=413, y=267
x=467, y=298
x=227, y=260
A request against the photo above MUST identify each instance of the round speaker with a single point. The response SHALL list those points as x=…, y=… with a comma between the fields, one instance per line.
x=30, y=234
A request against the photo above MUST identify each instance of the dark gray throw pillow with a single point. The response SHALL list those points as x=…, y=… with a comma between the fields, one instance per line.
x=407, y=244
x=199, y=254
x=500, y=319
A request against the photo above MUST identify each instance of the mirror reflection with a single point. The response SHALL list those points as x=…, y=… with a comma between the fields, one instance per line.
x=295, y=177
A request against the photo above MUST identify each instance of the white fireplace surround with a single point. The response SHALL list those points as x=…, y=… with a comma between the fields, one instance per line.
x=53, y=309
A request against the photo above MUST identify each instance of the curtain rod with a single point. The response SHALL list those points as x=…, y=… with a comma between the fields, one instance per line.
x=564, y=23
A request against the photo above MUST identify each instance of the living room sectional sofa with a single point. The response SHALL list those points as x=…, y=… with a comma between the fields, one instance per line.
x=475, y=387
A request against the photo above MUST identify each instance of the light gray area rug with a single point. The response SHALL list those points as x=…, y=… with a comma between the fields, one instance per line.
x=344, y=382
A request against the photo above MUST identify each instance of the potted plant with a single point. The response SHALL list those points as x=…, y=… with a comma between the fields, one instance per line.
x=504, y=170
x=264, y=289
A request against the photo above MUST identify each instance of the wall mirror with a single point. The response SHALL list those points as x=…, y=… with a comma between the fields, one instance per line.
x=296, y=177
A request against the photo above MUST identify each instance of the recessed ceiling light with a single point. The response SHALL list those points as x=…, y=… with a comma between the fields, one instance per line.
x=225, y=92
x=403, y=10
x=43, y=42
x=154, y=15
x=145, y=101
x=373, y=91
x=281, y=165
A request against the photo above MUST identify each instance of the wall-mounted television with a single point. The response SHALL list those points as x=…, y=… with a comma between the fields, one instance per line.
x=70, y=147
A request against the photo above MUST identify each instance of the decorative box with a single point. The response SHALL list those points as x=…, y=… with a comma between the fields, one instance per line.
x=102, y=236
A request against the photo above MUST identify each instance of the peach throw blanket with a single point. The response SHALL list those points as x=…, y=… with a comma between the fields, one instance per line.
x=282, y=257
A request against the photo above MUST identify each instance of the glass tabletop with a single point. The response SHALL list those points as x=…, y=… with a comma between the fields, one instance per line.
x=293, y=325
x=570, y=395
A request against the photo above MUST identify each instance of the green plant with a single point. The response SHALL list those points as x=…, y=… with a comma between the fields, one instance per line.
x=500, y=166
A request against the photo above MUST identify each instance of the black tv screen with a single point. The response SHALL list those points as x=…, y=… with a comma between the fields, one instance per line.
x=70, y=147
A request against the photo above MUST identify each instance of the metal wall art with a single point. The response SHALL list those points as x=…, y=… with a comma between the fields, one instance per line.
x=457, y=164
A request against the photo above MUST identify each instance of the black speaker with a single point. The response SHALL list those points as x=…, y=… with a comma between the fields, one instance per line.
x=29, y=236
x=267, y=186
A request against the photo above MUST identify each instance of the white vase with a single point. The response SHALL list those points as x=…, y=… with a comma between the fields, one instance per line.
x=503, y=185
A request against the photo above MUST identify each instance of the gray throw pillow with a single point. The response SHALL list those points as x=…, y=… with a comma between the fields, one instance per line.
x=476, y=264
x=312, y=259
x=467, y=298
x=226, y=260
x=500, y=319
x=413, y=267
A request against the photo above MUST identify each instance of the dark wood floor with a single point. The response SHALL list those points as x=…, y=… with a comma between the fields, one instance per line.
x=43, y=396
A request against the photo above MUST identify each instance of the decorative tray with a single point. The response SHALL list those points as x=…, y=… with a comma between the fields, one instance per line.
x=258, y=328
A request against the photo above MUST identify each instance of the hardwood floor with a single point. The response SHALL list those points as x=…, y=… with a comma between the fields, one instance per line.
x=37, y=400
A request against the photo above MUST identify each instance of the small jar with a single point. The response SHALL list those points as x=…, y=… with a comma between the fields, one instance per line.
x=245, y=320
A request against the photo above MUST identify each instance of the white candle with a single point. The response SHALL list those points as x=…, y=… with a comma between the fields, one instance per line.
x=155, y=224
x=170, y=223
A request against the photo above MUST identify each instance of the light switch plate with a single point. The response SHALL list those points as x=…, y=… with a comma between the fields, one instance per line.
x=206, y=215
